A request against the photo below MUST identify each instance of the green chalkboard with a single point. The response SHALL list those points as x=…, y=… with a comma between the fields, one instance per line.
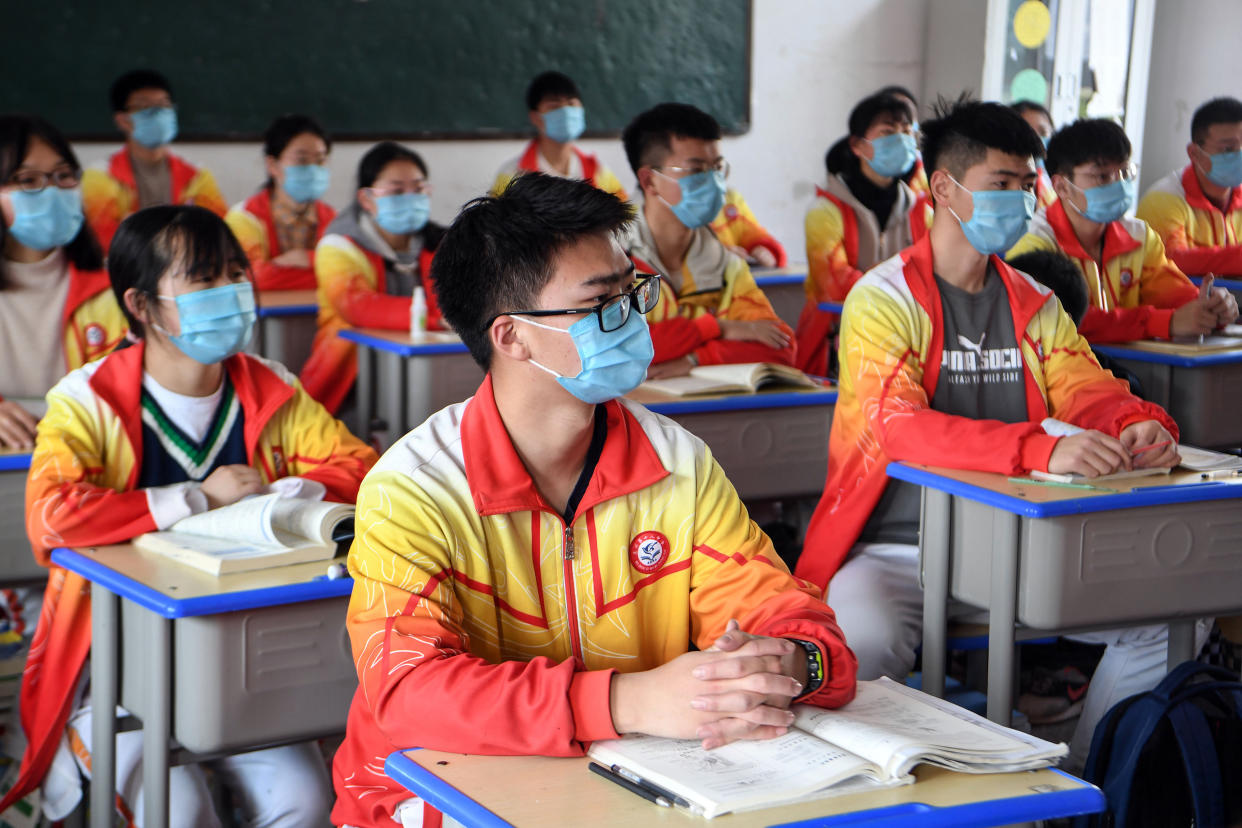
x=376, y=68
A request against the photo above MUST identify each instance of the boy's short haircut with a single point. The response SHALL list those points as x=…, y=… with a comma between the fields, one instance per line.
x=383, y=154
x=1057, y=272
x=648, y=138
x=497, y=255
x=550, y=85
x=962, y=132
x=1215, y=111
x=1023, y=107
x=1090, y=140
x=131, y=82
x=866, y=111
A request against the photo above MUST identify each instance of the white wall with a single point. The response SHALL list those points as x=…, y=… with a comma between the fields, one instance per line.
x=1194, y=57
x=811, y=60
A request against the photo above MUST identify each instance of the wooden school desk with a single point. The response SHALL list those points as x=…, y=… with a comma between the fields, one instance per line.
x=1163, y=548
x=17, y=563
x=1200, y=387
x=784, y=288
x=286, y=326
x=521, y=791
x=219, y=664
x=771, y=444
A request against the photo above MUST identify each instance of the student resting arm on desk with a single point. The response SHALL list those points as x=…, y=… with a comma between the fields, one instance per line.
x=176, y=423
x=738, y=229
x=533, y=566
x=279, y=226
x=711, y=311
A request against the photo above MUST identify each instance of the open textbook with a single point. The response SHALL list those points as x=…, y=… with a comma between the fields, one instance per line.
x=255, y=533
x=726, y=379
x=1193, y=458
x=874, y=741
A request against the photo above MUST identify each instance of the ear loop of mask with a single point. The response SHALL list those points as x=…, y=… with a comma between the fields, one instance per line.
x=950, y=209
x=547, y=328
x=668, y=178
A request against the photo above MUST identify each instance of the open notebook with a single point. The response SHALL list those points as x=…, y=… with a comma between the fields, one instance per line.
x=1193, y=459
x=725, y=379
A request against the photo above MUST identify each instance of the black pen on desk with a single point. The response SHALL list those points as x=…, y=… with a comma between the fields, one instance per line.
x=626, y=773
x=633, y=787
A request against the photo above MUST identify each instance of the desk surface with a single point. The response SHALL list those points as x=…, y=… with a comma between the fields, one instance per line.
x=1037, y=501
x=670, y=404
x=1173, y=353
x=14, y=459
x=287, y=303
x=539, y=790
x=430, y=343
x=175, y=590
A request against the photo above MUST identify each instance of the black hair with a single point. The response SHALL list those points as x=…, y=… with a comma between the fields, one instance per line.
x=648, y=137
x=962, y=132
x=901, y=92
x=380, y=156
x=1057, y=272
x=1023, y=107
x=865, y=112
x=131, y=82
x=1215, y=111
x=17, y=132
x=155, y=239
x=839, y=159
x=1082, y=142
x=497, y=255
x=284, y=129
x=550, y=85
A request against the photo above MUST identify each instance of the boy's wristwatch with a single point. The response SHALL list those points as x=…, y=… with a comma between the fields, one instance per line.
x=814, y=665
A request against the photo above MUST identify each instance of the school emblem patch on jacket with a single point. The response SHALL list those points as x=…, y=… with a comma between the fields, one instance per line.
x=1127, y=278
x=95, y=335
x=648, y=551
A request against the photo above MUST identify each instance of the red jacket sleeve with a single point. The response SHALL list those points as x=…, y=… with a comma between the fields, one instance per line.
x=366, y=308
x=1126, y=324
x=677, y=336
x=1223, y=260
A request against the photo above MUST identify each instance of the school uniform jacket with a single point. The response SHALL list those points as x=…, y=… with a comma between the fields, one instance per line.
x=716, y=284
x=1044, y=194
x=351, y=293
x=844, y=240
x=592, y=170
x=1199, y=237
x=1141, y=287
x=482, y=623
x=736, y=225
x=891, y=335
x=251, y=222
x=109, y=196
x=82, y=491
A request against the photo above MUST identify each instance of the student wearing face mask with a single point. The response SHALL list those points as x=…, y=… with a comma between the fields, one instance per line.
x=951, y=358
x=175, y=424
x=1198, y=211
x=368, y=263
x=710, y=311
x=1040, y=119
x=280, y=225
x=144, y=172
x=56, y=311
x=554, y=108
x=1135, y=291
x=865, y=214
x=916, y=178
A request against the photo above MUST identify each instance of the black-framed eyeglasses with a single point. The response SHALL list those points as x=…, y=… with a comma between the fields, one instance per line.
x=613, y=312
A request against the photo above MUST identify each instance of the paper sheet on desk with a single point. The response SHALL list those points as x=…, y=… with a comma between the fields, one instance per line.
x=1197, y=459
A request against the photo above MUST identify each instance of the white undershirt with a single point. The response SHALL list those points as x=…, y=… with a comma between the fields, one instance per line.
x=193, y=415
x=32, y=342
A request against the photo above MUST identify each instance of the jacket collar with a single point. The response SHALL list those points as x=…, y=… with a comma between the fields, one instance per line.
x=1195, y=197
x=180, y=172
x=83, y=284
x=1117, y=240
x=500, y=483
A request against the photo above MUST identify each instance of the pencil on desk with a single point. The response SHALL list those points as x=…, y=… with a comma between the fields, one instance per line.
x=1161, y=444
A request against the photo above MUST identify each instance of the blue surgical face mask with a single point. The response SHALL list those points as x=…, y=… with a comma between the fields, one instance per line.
x=215, y=323
x=894, y=154
x=306, y=182
x=613, y=363
x=564, y=124
x=403, y=213
x=49, y=218
x=1108, y=202
x=1226, y=169
x=154, y=126
x=998, y=220
x=702, y=196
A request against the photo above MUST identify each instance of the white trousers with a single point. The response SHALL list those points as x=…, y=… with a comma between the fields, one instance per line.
x=879, y=606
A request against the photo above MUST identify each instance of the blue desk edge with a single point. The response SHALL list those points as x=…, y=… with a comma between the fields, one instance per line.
x=424, y=349
x=14, y=462
x=745, y=402
x=779, y=279
x=442, y=796
x=286, y=310
x=151, y=599
x=832, y=307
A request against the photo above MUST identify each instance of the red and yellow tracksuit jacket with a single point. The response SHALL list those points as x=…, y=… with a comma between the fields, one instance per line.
x=351, y=293
x=716, y=284
x=737, y=226
x=592, y=170
x=1199, y=237
x=1140, y=288
x=483, y=623
x=108, y=197
x=844, y=240
x=251, y=222
x=82, y=491
x=891, y=346
x=917, y=181
x=1044, y=194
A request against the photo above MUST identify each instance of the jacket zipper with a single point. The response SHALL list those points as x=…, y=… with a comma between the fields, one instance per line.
x=568, y=553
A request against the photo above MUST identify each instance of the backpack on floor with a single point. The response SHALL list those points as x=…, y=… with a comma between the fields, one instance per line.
x=1172, y=756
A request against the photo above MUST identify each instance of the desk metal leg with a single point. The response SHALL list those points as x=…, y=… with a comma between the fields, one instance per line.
x=393, y=394
x=105, y=611
x=1181, y=641
x=1002, y=614
x=365, y=391
x=934, y=538
x=275, y=336
x=157, y=724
